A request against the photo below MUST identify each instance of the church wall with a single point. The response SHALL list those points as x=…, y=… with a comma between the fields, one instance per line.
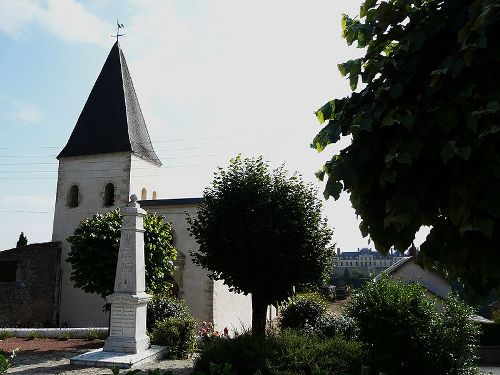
x=194, y=285
x=91, y=174
x=143, y=175
x=231, y=310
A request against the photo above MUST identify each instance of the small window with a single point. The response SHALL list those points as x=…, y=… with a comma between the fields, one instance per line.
x=144, y=194
x=8, y=271
x=109, y=195
x=73, y=197
x=154, y=194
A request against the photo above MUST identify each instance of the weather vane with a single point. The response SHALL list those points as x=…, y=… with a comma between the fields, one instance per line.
x=119, y=26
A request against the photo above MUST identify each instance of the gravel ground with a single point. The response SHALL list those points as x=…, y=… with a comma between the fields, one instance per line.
x=48, y=356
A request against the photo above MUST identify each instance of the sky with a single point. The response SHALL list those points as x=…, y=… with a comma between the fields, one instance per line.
x=214, y=79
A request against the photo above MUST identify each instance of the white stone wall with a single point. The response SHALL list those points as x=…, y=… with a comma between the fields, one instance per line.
x=143, y=175
x=411, y=272
x=194, y=285
x=91, y=174
x=207, y=300
x=231, y=310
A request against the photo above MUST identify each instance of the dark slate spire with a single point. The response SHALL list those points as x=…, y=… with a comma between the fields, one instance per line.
x=111, y=120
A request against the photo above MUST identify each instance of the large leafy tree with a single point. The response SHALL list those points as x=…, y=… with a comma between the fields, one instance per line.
x=261, y=232
x=94, y=253
x=425, y=127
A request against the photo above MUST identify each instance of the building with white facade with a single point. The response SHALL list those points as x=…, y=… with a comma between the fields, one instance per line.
x=364, y=262
x=108, y=157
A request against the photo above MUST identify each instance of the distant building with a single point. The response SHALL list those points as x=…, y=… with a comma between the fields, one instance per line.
x=365, y=262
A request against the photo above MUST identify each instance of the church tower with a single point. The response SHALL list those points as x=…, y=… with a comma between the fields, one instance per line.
x=108, y=157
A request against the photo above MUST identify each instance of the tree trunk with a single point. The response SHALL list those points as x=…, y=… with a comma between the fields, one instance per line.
x=259, y=310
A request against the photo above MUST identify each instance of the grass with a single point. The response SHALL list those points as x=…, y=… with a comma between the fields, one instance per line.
x=65, y=336
x=32, y=335
x=5, y=335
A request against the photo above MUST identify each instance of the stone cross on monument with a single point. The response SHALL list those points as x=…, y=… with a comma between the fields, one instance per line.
x=128, y=343
x=127, y=331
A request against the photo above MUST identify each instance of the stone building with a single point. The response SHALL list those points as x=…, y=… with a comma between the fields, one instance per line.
x=364, y=262
x=108, y=157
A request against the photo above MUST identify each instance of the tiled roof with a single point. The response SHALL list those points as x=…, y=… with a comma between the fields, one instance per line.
x=366, y=251
x=111, y=120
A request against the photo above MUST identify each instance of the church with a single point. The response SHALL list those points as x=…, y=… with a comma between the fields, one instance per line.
x=108, y=157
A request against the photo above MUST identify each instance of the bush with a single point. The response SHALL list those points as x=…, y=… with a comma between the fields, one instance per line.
x=290, y=353
x=178, y=334
x=405, y=333
x=302, y=311
x=330, y=325
x=161, y=308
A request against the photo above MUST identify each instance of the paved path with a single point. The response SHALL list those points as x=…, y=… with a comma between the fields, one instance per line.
x=58, y=363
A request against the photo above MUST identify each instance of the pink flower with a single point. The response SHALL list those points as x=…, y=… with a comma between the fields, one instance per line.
x=226, y=331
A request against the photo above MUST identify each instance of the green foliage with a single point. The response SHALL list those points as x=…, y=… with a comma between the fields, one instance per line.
x=93, y=334
x=22, y=241
x=217, y=369
x=330, y=325
x=65, y=336
x=32, y=335
x=5, y=335
x=289, y=353
x=261, y=232
x=161, y=307
x=94, y=253
x=405, y=333
x=6, y=362
x=178, y=334
x=425, y=131
x=302, y=310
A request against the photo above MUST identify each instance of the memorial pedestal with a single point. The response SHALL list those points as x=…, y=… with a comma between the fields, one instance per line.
x=128, y=342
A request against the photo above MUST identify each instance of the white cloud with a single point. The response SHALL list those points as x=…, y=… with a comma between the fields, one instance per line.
x=23, y=112
x=66, y=19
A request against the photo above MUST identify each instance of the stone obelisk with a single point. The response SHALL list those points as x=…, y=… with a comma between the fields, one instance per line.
x=127, y=331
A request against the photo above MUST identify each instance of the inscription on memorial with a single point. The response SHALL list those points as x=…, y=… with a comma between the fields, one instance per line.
x=122, y=321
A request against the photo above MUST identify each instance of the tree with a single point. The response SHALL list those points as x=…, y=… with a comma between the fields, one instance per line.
x=261, y=232
x=425, y=147
x=346, y=276
x=22, y=241
x=94, y=253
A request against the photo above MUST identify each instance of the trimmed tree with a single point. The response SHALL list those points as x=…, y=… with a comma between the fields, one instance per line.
x=94, y=253
x=425, y=131
x=261, y=232
x=22, y=241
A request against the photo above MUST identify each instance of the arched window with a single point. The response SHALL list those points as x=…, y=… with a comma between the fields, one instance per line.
x=109, y=195
x=154, y=194
x=144, y=194
x=73, y=196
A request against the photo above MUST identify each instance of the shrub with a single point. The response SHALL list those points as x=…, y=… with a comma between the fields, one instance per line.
x=93, y=334
x=302, y=310
x=161, y=308
x=4, y=363
x=65, y=336
x=405, y=333
x=330, y=325
x=32, y=335
x=178, y=334
x=290, y=353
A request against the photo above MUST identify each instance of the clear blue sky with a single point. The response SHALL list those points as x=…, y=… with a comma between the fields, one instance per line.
x=214, y=78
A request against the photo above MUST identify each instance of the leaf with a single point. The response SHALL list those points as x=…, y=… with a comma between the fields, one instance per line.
x=448, y=151
x=407, y=119
x=396, y=90
x=464, y=152
x=353, y=82
x=484, y=225
x=326, y=112
x=333, y=189
x=493, y=106
x=388, y=176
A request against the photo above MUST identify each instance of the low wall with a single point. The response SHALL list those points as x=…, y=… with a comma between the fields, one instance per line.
x=56, y=333
x=29, y=285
